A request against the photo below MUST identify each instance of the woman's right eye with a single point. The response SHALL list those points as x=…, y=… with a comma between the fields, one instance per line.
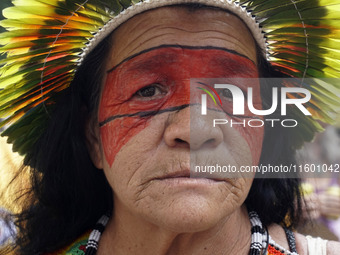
x=150, y=92
x=147, y=91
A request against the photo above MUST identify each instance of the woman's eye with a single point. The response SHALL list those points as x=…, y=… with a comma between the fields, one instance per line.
x=147, y=92
x=227, y=93
x=150, y=91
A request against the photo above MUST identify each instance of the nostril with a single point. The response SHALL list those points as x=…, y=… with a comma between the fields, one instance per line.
x=178, y=140
x=210, y=141
x=180, y=143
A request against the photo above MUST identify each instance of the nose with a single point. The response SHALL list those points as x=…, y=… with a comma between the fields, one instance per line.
x=187, y=128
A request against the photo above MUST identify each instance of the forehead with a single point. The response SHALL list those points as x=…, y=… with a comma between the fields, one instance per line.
x=181, y=26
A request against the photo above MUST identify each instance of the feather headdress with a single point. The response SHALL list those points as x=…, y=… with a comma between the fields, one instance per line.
x=46, y=41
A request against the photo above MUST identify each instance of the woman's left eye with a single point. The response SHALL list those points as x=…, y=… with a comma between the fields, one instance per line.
x=227, y=93
x=150, y=91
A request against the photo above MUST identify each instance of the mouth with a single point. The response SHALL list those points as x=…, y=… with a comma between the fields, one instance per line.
x=178, y=174
x=185, y=176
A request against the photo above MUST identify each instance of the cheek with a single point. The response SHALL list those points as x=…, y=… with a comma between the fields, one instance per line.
x=254, y=137
x=116, y=134
x=249, y=126
x=253, y=132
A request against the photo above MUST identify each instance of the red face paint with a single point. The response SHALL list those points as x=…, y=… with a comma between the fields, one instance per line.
x=123, y=113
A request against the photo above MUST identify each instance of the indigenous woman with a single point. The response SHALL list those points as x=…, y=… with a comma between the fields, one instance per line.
x=104, y=101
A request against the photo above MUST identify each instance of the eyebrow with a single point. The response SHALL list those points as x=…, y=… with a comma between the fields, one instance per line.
x=181, y=47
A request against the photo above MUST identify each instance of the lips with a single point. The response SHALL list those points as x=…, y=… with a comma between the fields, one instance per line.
x=178, y=174
x=186, y=174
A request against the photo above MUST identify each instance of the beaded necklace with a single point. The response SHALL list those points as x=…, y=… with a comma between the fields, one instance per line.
x=261, y=241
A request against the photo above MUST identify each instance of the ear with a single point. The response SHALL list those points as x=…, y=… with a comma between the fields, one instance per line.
x=93, y=142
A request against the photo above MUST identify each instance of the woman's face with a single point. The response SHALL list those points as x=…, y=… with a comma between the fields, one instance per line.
x=145, y=139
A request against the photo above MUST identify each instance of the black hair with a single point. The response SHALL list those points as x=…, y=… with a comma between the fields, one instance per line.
x=276, y=200
x=69, y=194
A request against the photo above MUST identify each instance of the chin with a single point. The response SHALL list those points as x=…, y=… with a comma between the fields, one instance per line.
x=189, y=214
